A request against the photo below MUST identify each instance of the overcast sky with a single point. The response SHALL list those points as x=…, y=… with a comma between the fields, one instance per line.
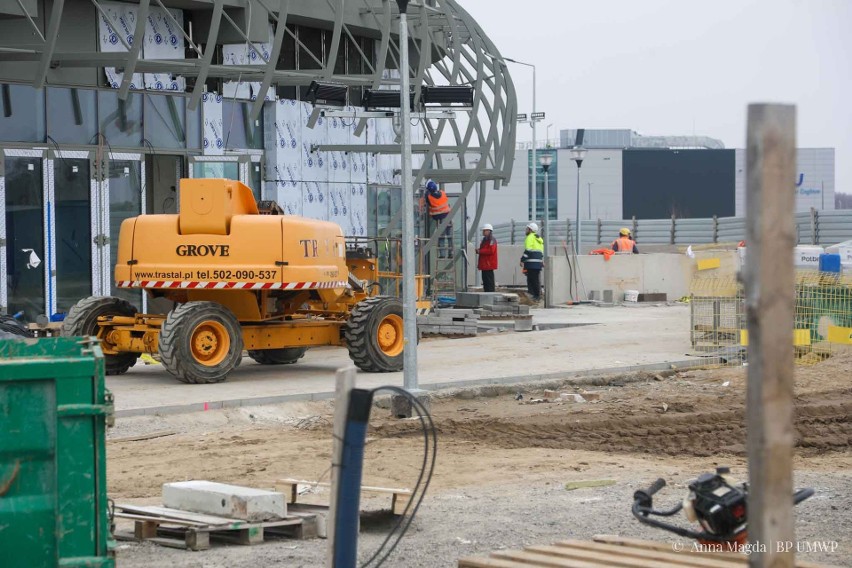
x=678, y=67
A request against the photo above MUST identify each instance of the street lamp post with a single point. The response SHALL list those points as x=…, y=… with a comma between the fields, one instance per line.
x=578, y=154
x=589, y=199
x=409, y=293
x=546, y=159
x=534, y=118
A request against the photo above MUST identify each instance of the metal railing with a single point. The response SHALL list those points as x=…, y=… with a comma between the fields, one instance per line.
x=812, y=228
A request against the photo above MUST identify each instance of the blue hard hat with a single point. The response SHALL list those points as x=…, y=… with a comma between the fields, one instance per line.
x=431, y=185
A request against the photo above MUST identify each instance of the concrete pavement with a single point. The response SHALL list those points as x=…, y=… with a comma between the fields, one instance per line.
x=618, y=338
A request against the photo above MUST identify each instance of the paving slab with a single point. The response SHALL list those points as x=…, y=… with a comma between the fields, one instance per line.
x=620, y=339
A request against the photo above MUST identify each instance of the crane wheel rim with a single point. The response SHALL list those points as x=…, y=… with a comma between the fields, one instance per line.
x=390, y=335
x=210, y=343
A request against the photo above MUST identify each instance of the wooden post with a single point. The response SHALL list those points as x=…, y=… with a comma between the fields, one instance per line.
x=344, y=385
x=770, y=300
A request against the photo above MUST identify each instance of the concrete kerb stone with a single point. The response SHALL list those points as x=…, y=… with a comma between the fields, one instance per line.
x=503, y=384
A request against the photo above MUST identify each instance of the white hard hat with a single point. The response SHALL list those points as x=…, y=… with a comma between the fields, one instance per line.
x=532, y=227
x=487, y=227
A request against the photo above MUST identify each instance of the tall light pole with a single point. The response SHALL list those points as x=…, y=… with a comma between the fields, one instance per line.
x=409, y=293
x=578, y=154
x=534, y=118
x=546, y=159
x=589, y=199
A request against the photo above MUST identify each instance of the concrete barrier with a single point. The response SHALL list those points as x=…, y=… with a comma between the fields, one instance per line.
x=671, y=274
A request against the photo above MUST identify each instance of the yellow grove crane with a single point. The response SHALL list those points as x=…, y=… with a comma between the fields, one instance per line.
x=274, y=285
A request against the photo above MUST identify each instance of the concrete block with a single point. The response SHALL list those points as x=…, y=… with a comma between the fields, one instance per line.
x=402, y=407
x=607, y=296
x=524, y=323
x=220, y=499
x=523, y=310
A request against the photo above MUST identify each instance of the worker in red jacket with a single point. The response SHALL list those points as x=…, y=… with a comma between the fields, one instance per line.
x=487, y=252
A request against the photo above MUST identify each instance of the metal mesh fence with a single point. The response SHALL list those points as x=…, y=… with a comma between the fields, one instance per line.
x=822, y=325
x=812, y=228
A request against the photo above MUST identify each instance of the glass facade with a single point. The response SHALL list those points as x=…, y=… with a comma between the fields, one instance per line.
x=21, y=114
x=165, y=121
x=239, y=129
x=120, y=122
x=102, y=156
x=553, y=190
x=72, y=116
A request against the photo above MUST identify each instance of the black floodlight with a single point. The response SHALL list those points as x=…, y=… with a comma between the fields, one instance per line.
x=383, y=98
x=522, y=117
x=445, y=96
x=537, y=116
x=327, y=94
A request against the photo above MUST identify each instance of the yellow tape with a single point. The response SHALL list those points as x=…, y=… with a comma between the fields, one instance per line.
x=708, y=263
x=842, y=335
x=801, y=337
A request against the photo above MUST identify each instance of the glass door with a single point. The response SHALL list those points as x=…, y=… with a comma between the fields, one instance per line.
x=72, y=235
x=23, y=220
x=125, y=194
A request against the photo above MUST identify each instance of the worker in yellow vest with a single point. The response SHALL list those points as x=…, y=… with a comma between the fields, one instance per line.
x=532, y=261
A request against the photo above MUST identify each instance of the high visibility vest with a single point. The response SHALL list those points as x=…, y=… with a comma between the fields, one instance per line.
x=625, y=244
x=533, y=257
x=439, y=205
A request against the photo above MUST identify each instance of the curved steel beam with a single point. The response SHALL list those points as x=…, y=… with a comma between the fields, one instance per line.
x=334, y=48
x=277, y=42
x=50, y=42
x=133, y=54
x=209, y=49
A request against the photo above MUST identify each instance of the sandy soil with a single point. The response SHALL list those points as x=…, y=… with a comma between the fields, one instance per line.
x=503, y=462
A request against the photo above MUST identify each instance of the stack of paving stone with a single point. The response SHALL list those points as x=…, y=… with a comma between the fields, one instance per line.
x=449, y=321
x=492, y=304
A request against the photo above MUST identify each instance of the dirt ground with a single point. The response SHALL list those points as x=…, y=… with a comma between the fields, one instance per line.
x=502, y=463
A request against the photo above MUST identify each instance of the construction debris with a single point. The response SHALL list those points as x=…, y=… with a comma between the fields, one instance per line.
x=572, y=485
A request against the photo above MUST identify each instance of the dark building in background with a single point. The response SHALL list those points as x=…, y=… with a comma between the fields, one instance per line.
x=686, y=183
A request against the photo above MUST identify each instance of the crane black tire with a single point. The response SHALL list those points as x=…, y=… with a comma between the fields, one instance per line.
x=12, y=326
x=362, y=335
x=82, y=320
x=283, y=356
x=200, y=342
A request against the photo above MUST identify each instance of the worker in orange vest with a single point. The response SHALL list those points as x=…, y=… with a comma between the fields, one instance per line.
x=624, y=242
x=439, y=208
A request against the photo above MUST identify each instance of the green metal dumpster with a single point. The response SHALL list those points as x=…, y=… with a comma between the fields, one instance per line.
x=53, y=412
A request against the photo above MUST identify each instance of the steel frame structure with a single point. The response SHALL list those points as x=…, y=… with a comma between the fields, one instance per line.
x=450, y=48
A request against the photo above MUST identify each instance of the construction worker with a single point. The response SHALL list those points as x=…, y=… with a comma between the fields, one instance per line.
x=487, y=262
x=625, y=242
x=533, y=261
x=439, y=208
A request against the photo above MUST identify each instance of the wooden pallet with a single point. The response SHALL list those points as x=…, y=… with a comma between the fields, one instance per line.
x=290, y=489
x=193, y=531
x=613, y=551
